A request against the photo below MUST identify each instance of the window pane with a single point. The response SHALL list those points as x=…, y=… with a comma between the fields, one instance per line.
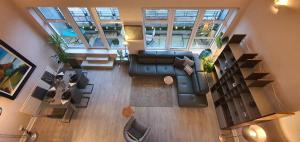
x=215, y=14
x=156, y=35
x=87, y=26
x=51, y=13
x=206, y=34
x=67, y=33
x=157, y=14
x=113, y=34
x=182, y=29
x=108, y=13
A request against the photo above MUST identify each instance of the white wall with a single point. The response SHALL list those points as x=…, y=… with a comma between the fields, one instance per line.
x=276, y=38
x=23, y=37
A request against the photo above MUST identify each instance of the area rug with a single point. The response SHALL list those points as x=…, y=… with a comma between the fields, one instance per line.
x=151, y=92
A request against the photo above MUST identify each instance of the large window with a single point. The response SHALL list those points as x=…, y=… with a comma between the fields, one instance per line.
x=108, y=13
x=215, y=14
x=156, y=14
x=51, y=13
x=109, y=19
x=57, y=22
x=206, y=34
x=87, y=26
x=114, y=35
x=156, y=35
x=184, y=29
x=67, y=33
x=183, y=24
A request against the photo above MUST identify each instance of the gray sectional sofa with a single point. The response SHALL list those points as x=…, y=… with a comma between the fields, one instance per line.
x=191, y=90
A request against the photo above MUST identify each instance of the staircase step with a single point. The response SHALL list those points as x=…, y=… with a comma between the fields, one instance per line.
x=88, y=65
x=97, y=59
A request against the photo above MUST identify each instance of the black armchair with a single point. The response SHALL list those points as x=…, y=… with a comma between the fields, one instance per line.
x=135, y=132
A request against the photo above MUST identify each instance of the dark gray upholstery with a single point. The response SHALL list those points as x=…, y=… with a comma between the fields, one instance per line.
x=184, y=85
x=191, y=90
x=192, y=100
x=135, y=132
x=165, y=70
x=147, y=69
x=180, y=72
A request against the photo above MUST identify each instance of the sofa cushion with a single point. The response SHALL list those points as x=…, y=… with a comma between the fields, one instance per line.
x=165, y=70
x=160, y=54
x=197, y=64
x=181, y=54
x=165, y=60
x=195, y=83
x=146, y=69
x=147, y=53
x=147, y=60
x=180, y=72
x=188, y=61
x=189, y=70
x=184, y=85
x=191, y=100
x=179, y=63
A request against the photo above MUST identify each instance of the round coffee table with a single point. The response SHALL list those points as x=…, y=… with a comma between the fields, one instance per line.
x=168, y=80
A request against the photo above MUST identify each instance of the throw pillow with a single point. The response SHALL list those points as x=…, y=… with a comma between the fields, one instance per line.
x=178, y=63
x=188, y=69
x=188, y=61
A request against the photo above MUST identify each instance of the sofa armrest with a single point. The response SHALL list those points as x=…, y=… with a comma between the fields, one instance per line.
x=198, y=65
x=202, y=81
x=132, y=63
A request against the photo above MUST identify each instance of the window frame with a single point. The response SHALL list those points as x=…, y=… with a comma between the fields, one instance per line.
x=199, y=19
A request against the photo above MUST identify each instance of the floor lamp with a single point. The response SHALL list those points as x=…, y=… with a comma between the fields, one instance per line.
x=252, y=133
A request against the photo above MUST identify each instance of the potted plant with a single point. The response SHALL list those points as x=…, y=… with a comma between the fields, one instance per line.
x=220, y=40
x=58, y=43
x=115, y=41
x=207, y=63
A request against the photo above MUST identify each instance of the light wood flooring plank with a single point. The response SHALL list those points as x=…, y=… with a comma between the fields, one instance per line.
x=102, y=121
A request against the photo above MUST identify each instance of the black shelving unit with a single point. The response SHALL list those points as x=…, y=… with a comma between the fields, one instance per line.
x=236, y=90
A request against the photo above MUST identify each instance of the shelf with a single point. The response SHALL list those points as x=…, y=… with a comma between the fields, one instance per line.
x=237, y=38
x=249, y=63
x=247, y=56
x=259, y=83
x=255, y=76
x=237, y=92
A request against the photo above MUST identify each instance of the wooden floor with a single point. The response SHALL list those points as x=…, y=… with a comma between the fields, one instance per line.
x=102, y=121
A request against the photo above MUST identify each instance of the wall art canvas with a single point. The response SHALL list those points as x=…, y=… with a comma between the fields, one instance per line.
x=15, y=70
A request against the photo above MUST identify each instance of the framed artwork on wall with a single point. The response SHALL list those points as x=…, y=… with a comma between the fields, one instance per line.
x=15, y=70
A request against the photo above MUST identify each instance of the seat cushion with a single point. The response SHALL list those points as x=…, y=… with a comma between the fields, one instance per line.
x=191, y=100
x=165, y=54
x=147, y=60
x=134, y=133
x=181, y=54
x=198, y=64
x=147, y=53
x=179, y=63
x=146, y=69
x=184, y=85
x=180, y=72
x=165, y=70
x=165, y=60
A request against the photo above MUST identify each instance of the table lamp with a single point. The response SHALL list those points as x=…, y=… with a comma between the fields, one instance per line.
x=252, y=133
